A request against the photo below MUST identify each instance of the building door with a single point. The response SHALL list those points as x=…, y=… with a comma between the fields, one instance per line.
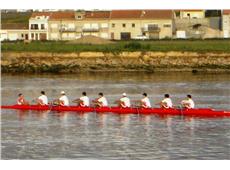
x=125, y=35
x=154, y=35
x=26, y=37
x=112, y=35
x=36, y=36
x=43, y=36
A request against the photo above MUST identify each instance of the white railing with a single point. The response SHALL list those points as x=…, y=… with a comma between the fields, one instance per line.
x=90, y=29
x=64, y=29
x=150, y=29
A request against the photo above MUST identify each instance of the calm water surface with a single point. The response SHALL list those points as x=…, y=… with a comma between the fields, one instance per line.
x=70, y=135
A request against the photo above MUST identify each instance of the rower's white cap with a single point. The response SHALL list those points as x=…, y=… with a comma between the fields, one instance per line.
x=62, y=92
x=124, y=94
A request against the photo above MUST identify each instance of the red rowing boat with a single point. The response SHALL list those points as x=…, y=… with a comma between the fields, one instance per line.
x=201, y=112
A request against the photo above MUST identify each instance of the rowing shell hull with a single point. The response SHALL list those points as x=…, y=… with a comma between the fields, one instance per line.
x=185, y=112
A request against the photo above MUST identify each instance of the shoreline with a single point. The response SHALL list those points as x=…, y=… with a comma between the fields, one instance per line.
x=172, y=61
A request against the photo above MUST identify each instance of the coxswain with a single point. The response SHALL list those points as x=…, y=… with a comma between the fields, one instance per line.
x=166, y=102
x=124, y=102
x=42, y=100
x=145, y=102
x=21, y=100
x=63, y=100
x=83, y=101
x=188, y=103
x=101, y=101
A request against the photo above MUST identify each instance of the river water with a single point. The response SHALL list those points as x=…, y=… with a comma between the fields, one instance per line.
x=70, y=135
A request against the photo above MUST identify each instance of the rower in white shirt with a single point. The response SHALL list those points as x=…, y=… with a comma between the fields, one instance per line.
x=101, y=101
x=166, y=102
x=42, y=100
x=145, y=102
x=124, y=102
x=188, y=103
x=63, y=100
x=83, y=101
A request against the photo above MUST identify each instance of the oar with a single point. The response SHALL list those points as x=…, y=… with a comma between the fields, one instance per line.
x=137, y=108
x=33, y=101
x=181, y=112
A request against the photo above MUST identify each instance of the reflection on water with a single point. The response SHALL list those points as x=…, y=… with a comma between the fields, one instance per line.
x=71, y=135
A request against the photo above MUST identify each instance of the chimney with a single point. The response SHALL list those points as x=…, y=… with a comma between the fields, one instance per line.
x=142, y=13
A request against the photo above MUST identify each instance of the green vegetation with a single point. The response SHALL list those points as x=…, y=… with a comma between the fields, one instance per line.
x=119, y=46
x=19, y=17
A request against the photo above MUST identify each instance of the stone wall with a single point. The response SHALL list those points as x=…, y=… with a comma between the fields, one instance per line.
x=124, y=61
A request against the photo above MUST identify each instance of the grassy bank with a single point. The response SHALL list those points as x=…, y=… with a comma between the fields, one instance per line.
x=158, y=45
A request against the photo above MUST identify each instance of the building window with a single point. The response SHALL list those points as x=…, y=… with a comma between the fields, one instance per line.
x=113, y=25
x=133, y=25
x=32, y=35
x=34, y=26
x=104, y=25
x=153, y=27
x=42, y=26
x=79, y=17
x=167, y=25
x=123, y=25
x=95, y=25
x=22, y=35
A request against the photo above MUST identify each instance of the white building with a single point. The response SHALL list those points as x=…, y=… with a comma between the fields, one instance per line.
x=226, y=24
x=13, y=32
x=192, y=13
x=38, y=26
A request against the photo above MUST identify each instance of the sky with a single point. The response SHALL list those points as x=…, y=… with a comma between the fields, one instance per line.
x=115, y=4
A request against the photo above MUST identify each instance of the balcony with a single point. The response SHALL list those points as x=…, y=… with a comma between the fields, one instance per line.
x=64, y=29
x=150, y=29
x=104, y=29
x=90, y=29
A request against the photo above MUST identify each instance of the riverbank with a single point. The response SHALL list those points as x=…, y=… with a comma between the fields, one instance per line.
x=54, y=62
x=200, y=46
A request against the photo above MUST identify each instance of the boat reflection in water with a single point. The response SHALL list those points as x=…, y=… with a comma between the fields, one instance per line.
x=41, y=114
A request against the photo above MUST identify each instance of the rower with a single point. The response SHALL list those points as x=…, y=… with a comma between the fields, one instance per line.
x=101, y=101
x=188, y=103
x=166, y=102
x=42, y=100
x=21, y=100
x=145, y=102
x=83, y=101
x=124, y=102
x=63, y=100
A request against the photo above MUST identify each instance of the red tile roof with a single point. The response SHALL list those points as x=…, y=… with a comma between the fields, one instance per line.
x=56, y=15
x=97, y=14
x=226, y=12
x=35, y=14
x=114, y=14
x=68, y=15
x=121, y=14
x=156, y=14
x=141, y=14
x=191, y=10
